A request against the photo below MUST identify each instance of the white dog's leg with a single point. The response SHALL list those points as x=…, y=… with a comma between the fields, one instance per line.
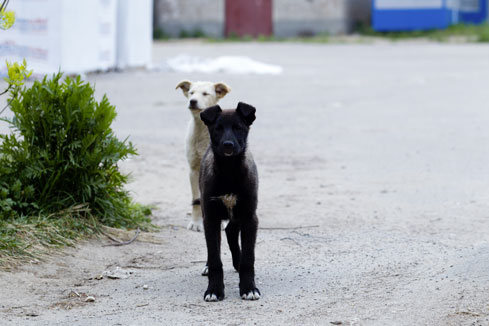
x=196, y=223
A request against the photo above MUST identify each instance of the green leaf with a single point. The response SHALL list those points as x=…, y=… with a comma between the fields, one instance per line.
x=7, y=19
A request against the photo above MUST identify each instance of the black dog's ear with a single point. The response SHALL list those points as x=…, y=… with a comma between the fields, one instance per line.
x=209, y=115
x=246, y=112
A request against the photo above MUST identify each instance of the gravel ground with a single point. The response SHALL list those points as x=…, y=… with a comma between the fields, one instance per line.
x=373, y=195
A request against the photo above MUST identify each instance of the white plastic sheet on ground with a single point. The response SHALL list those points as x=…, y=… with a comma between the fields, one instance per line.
x=223, y=64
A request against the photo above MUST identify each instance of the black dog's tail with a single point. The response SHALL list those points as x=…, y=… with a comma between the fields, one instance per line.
x=196, y=202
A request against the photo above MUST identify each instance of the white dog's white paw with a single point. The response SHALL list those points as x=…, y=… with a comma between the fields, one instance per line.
x=205, y=271
x=195, y=226
x=251, y=295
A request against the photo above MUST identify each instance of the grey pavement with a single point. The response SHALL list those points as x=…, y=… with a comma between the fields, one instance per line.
x=373, y=204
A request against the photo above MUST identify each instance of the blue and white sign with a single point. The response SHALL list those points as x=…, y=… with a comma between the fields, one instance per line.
x=472, y=11
x=410, y=15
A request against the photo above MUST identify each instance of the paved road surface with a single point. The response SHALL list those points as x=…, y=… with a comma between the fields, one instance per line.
x=373, y=159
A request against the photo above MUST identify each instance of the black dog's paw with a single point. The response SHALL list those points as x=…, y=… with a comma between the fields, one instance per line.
x=253, y=294
x=212, y=295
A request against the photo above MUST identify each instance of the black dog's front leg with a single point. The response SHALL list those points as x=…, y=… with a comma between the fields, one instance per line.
x=232, y=234
x=212, y=228
x=247, y=287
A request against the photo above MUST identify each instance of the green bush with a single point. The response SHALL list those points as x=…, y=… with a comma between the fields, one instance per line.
x=62, y=153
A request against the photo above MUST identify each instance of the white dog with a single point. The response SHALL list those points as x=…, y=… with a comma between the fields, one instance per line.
x=201, y=95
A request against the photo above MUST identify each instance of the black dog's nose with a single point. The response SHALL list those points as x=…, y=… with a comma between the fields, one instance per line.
x=228, y=148
x=228, y=145
x=193, y=103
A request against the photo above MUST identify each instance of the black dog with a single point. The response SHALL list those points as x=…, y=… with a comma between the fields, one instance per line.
x=228, y=186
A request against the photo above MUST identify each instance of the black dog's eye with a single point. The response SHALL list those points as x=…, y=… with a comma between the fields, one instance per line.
x=237, y=127
x=219, y=128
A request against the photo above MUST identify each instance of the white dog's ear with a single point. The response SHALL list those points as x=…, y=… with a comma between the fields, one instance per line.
x=185, y=86
x=221, y=89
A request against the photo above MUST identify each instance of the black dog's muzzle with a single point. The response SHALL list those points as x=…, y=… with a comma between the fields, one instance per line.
x=228, y=148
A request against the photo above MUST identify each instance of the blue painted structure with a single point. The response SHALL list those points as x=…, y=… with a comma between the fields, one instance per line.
x=434, y=17
x=474, y=17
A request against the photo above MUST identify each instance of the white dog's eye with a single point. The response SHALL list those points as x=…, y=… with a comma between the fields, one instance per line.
x=191, y=93
x=205, y=94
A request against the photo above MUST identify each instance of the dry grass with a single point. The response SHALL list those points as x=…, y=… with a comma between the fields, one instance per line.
x=29, y=239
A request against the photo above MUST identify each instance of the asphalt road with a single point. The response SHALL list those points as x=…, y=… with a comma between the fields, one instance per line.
x=373, y=204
